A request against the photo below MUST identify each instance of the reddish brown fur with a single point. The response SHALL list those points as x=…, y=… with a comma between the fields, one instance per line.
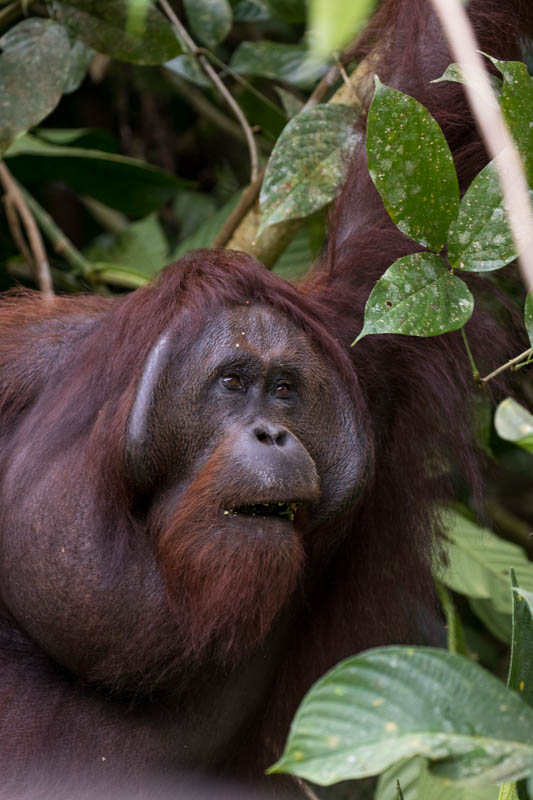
x=369, y=578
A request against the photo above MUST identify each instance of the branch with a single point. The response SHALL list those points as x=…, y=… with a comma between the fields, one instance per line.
x=216, y=81
x=57, y=238
x=248, y=198
x=516, y=360
x=16, y=202
x=493, y=129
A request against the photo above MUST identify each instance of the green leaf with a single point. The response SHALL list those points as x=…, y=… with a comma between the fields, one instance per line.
x=141, y=246
x=480, y=239
x=80, y=61
x=521, y=667
x=417, y=296
x=192, y=209
x=210, y=20
x=307, y=163
x=205, y=233
x=87, y=138
x=250, y=11
x=34, y=65
x=391, y=703
x=411, y=165
x=292, y=105
x=116, y=275
x=479, y=562
x=334, y=23
x=129, y=185
x=499, y=624
x=288, y=10
x=515, y=424
x=418, y=783
x=291, y=63
x=295, y=260
x=454, y=73
x=516, y=102
x=186, y=66
x=528, y=317
x=103, y=26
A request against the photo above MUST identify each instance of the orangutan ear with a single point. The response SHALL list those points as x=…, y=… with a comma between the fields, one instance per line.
x=138, y=430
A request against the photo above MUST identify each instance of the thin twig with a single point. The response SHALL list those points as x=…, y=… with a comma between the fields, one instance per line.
x=516, y=360
x=215, y=79
x=57, y=238
x=38, y=252
x=211, y=112
x=10, y=13
x=239, y=79
x=323, y=87
x=475, y=371
x=493, y=129
x=248, y=198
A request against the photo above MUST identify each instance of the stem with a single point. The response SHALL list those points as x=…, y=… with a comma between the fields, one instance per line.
x=475, y=371
x=526, y=354
x=18, y=203
x=10, y=13
x=59, y=241
x=248, y=198
x=493, y=129
x=243, y=82
x=216, y=81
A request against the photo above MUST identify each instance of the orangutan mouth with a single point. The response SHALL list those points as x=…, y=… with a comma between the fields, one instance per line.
x=281, y=510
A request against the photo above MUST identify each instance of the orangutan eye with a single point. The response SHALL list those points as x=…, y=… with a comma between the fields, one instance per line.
x=232, y=381
x=282, y=389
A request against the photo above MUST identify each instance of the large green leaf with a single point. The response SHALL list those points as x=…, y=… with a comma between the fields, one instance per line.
x=391, y=703
x=296, y=259
x=417, y=296
x=480, y=239
x=417, y=783
x=80, y=61
x=131, y=186
x=283, y=62
x=203, y=234
x=334, y=23
x=141, y=246
x=210, y=20
x=514, y=423
x=307, y=163
x=479, y=563
x=412, y=167
x=516, y=101
x=102, y=24
x=34, y=67
x=186, y=66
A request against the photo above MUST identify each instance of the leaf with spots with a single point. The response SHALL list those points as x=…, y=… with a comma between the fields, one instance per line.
x=35, y=61
x=210, y=20
x=516, y=102
x=528, y=316
x=307, y=163
x=514, y=423
x=411, y=165
x=480, y=239
x=392, y=703
x=104, y=27
x=417, y=296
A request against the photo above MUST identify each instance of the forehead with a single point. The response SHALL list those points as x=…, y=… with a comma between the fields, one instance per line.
x=259, y=330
